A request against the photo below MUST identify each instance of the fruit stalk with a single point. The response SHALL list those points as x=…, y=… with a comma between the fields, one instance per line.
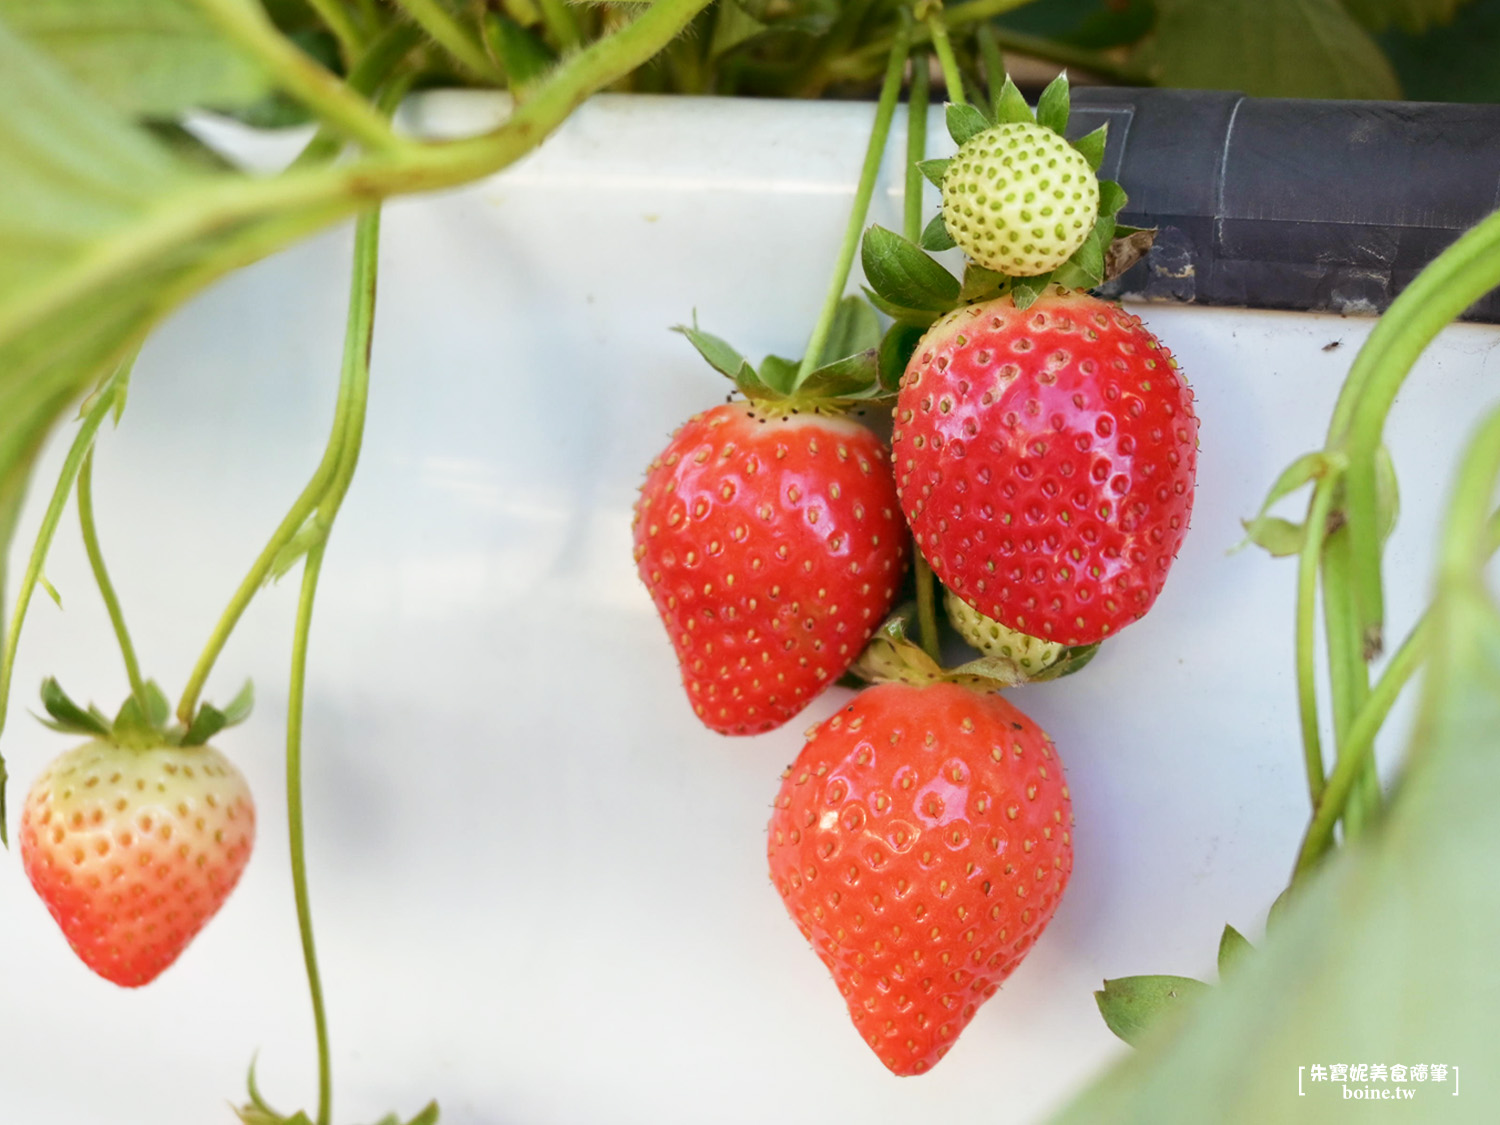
x=916, y=152
x=106, y=587
x=886, y=109
x=95, y=411
x=942, y=46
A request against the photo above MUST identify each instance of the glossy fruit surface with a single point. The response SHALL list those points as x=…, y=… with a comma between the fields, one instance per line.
x=921, y=842
x=134, y=850
x=773, y=547
x=1046, y=462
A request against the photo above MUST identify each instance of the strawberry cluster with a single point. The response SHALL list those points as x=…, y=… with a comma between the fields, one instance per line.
x=1042, y=461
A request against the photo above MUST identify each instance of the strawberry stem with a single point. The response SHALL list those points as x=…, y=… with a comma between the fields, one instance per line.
x=96, y=409
x=106, y=587
x=890, y=90
x=942, y=46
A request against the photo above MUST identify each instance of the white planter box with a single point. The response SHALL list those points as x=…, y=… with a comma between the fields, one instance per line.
x=540, y=885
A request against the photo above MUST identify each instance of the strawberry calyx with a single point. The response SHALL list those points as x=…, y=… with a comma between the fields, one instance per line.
x=852, y=372
x=142, y=725
x=258, y=1112
x=893, y=657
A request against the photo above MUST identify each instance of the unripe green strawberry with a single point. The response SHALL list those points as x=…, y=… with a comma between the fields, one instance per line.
x=133, y=850
x=1029, y=654
x=1019, y=199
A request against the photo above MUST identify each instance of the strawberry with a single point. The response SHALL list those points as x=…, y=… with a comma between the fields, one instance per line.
x=773, y=545
x=133, y=850
x=1045, y=459
x=1019, y=199
x=134, y=839
x=921, y=842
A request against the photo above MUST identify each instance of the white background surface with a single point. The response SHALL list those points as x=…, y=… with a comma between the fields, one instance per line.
x=540, y=886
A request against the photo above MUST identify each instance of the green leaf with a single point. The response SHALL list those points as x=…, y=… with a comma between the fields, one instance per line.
x=935, y=236
x=1091, y=145
x=1025, y=290
x=896, y=350
x=1301, y=472
x=1132, y=1006
x=1411, y=15
x=1452, y=62
x=1011, y=107
x=1268, y=48
x=733, y=27
x=67, y=715
x=935, y=170
x=143, y=57
x=855, y=329
x=1232, y=948
x=524, y=56
x=1052, y=106
x=1275, y=535
x=965, y=122
x=899, y=271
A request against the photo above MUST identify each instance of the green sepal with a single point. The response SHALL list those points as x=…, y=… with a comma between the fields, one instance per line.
x=1387, y=492
x=524, y=56
x=855, y=378
x=921, y=318
x=935, y=170
x=891, y=656
x=1233, y=948
x=777, y=373
x=855, y=329
x=1025, y=290
x=1052, y=106
x=965, y=122
x=67, y=716
x=130, y=719
x=901, y=273
x=46, y=584
x=1277, y=537
x=1085, y=268
x=980, y=283
x=295, y=548
x=1131, y=1006
x=1011, y=107
x=210, y=720
x=896, y=350
x=935, y=236
x=1073, y=659
x=1112, y=198
x=720, y=354
x=1091, y=146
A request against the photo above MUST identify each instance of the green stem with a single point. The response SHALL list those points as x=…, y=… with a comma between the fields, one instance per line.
x=459, y=41
x=890, y=91
x=994, y=62
x=942, y=46
x=296, y=834
x=561, y=23
x=355, y=385
x=106, y=587
x=927, y=626
x=1307, y=601
x=246, y=25
x=1458, y=277
x=337, y=20
x=1348, y=675
x=916, y=148
x=95, y=411
x=385, y=53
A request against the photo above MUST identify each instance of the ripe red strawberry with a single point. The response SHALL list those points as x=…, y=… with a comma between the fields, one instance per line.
x=134, y=850
x=921, y=842
x=773, y=545
x=1045, y=460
